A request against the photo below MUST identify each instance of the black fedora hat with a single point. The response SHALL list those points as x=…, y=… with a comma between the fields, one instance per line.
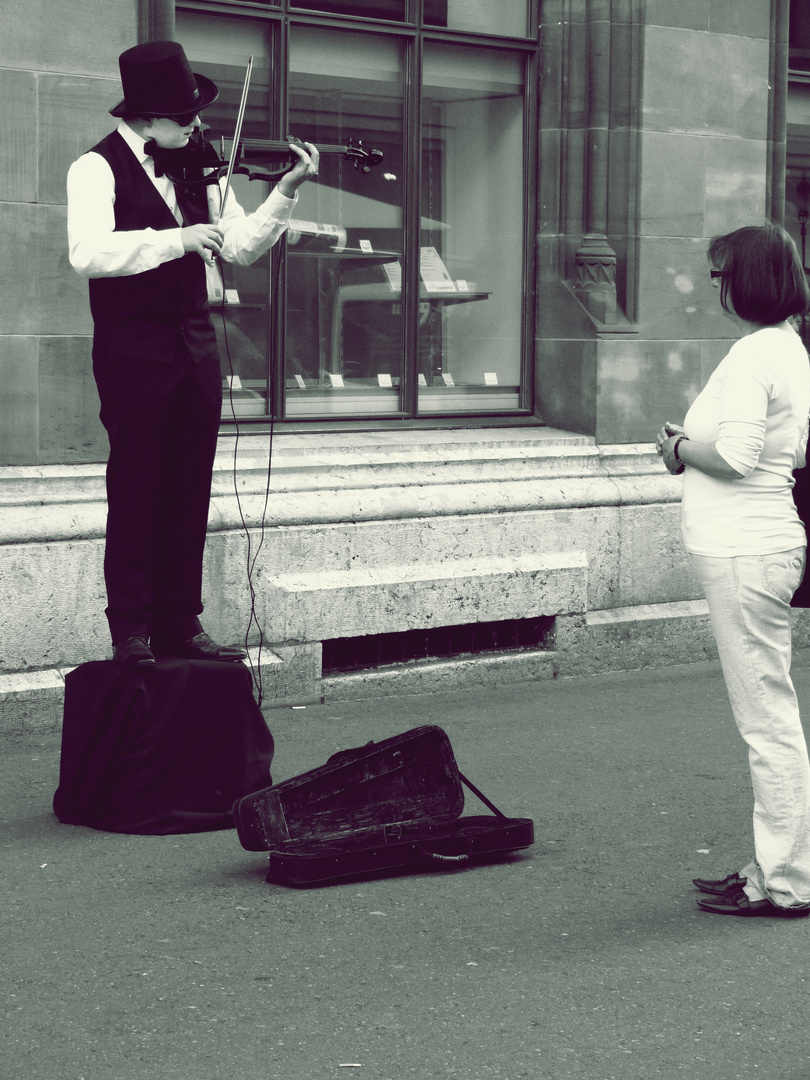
x=158, y=81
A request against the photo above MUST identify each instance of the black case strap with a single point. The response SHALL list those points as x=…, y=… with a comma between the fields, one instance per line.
x=481, y=796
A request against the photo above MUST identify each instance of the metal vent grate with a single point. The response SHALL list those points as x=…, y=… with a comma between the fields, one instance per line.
x=377, y=650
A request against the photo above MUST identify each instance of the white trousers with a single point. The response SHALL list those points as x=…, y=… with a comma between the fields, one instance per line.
x=749, y=606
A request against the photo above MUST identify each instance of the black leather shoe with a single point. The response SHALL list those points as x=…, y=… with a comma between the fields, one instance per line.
x=199, y=647
x=737, y=903
x=720, y=888
x=133, y=652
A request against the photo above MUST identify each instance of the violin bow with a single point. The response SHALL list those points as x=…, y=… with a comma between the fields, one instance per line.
x=236, y=136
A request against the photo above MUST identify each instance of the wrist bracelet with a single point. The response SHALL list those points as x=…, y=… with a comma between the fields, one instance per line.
x=676, y=455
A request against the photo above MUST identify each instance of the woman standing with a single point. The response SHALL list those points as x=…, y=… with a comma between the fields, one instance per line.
x=739, y=444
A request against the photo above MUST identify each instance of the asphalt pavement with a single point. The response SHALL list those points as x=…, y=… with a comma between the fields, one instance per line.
x=171, y=958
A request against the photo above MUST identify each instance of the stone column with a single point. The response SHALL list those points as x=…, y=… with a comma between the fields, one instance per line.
x=156, y=20
x=595, y=259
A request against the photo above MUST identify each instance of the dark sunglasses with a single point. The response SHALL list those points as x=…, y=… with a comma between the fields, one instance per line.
x=184, y=119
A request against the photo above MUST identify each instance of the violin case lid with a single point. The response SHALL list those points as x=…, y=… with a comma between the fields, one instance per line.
x=372, y=809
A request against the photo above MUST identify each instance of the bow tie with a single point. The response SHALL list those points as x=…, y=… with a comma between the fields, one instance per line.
x=152, y=150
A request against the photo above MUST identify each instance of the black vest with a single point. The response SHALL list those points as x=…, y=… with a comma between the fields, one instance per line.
x=153, y=313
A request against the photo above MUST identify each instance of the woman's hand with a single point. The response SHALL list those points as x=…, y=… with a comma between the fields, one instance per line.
x=701, y=456
x=665, y=444
x=666, y=432
x=667, y=452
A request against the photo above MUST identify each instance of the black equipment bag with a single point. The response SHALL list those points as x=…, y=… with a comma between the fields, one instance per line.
x=379, y=807
x=160, y=751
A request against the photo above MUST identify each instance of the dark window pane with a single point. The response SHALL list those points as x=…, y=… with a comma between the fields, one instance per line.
x=471, y=230
x=368, y=9
x=344, y=351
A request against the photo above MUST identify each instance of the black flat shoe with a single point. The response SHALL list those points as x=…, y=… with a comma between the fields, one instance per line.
x=133, y=652
x=737, y=903
x=199, y=647
x=720, y=888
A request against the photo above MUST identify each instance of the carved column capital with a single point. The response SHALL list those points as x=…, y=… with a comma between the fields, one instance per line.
x=595, y=284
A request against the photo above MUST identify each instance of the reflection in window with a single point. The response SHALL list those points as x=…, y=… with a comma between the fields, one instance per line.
x=367, y=9
x=344, y=349
x=506, y=17
x=471, y=230
x=327, y=335
x=241, y=298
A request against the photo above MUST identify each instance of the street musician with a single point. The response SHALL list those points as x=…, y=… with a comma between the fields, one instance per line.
x=146, y=245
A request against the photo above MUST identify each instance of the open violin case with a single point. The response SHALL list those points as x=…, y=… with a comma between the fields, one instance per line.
x=380, y=807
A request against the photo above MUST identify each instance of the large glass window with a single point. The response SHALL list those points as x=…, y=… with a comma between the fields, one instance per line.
x=399, y=289
x=344, y=350
x=471, y=230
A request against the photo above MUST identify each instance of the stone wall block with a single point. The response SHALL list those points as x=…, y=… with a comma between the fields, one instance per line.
x=672, y=191
x=87, y=38
x=18, y=125
x=654, y=567
x=41, y=293
x=686, y=14
x=287, y=674
x=19, y=400
x=652, y=379
x=613, y=538
x=566, y=380
x=676, y=297
x=73, y=115
x=53, y=605
x=659, y=635
x=705, y=84
x=70, y=429
x=735, y=184
x=320, y=606
x=742, y=18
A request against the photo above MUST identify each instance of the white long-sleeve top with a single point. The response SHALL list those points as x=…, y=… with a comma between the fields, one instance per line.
x=97, y=250
x=754, y=408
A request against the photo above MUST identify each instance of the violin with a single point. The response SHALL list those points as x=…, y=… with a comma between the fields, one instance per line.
x=198, y=163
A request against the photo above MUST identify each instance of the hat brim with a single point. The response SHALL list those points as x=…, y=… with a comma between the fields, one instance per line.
x=209, y=92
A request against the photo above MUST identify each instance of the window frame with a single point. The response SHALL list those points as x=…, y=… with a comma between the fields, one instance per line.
x=414, y=34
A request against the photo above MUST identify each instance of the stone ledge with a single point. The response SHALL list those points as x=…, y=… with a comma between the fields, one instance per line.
x=628, y=638
x=386, y=599
x=332, y=482
x=621, y=639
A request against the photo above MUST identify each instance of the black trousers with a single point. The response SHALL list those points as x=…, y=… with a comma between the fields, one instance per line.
x=162, y=421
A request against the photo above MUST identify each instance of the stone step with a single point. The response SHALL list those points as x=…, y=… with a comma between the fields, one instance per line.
x=321, y=605
x=620, y=639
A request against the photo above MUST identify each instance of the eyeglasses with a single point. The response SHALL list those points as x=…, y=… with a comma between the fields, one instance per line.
x=714, y=274
x=184, y=120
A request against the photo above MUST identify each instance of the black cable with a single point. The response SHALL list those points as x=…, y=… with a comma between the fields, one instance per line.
x=250, y=558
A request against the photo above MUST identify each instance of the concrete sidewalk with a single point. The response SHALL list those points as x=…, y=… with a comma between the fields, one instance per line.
x=171, y=958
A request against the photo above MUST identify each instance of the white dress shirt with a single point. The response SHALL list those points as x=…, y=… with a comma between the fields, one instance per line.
x=97, y=250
